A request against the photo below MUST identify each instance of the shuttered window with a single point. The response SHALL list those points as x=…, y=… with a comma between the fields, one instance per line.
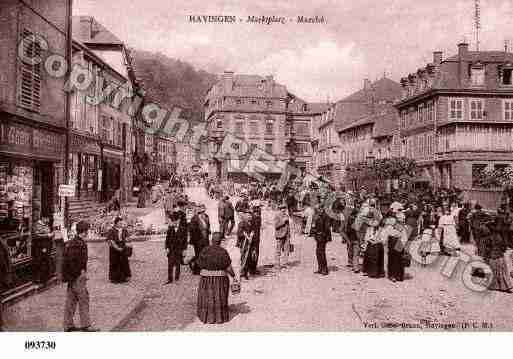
x=29, y=91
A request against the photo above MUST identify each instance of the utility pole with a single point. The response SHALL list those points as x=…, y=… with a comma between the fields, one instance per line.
x=69, y=43
x=477, y=21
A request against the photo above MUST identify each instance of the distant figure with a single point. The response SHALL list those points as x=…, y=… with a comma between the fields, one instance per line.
x=282, y=234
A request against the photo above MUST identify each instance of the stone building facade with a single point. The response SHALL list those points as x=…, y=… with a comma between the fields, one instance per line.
x=256, y=116
x=456, y=119
x=32, y=125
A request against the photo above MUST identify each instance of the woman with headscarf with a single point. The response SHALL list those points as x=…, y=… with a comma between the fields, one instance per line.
x=215, y=265
x=396, y=236
x=372, y=250
x=374, y=258
x=495, y=246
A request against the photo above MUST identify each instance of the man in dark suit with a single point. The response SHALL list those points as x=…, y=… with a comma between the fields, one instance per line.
x=199, y=231
x=176, y=242
x=322, y=237
x=254, y=250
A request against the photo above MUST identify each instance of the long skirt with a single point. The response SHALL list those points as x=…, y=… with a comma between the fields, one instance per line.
x=374, y=260
x=119, y=266
x=395, y=267
x=501, y=279
x=213, y=300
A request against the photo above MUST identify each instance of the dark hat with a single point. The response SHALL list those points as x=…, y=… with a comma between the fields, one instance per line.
x=282, y=206
x=83, y=226
x=117, y=220
x=478, y=206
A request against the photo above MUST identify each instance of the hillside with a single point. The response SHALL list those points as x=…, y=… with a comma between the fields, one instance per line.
x=173, y=82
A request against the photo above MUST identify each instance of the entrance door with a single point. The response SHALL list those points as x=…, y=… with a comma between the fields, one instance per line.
x=44, y=189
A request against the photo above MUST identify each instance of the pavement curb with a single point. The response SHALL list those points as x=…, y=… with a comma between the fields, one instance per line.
x=18, y=294
x=141, y=238
x=135, y=305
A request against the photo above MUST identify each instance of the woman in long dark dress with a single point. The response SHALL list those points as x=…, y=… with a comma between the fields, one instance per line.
x=214, y=286
x=396, y=236
x=119, y=266
x=373, y=260
x=495, y=246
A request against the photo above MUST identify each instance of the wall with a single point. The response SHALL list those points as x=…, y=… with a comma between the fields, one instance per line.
x=52, y=95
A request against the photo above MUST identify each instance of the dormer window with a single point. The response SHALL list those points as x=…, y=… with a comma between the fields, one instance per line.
x=507, y=75
x=477, y=74
x=305, y=107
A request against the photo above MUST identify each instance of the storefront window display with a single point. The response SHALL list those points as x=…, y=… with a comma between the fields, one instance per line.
x=16, y=193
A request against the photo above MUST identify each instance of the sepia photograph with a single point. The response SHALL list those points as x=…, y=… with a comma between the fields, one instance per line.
x=255, y=166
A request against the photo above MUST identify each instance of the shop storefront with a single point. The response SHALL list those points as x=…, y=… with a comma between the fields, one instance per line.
x=30, y=170
x=85, y=165
x=111, y=173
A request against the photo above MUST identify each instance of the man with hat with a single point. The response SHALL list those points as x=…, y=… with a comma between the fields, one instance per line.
x=282, y=234
x=176, y=242
x=74, y=273
x=199, y=230
x=245, y=238
x=256, y=227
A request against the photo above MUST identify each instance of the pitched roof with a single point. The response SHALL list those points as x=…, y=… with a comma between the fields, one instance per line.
x=359, y=104
x=251, y=86
x=383, y=89
x=349, y=112
x=318, y=107
x=385, y=122
x=89, y=31
x=483, y=56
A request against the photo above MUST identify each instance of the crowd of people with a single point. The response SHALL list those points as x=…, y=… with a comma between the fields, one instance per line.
x=377, y=231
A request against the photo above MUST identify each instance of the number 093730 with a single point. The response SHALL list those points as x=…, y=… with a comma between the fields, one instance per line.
x=40, y=345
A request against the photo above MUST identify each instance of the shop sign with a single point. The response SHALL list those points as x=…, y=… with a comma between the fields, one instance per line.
x=30, y=140
x=66, y=190
x=84, y=145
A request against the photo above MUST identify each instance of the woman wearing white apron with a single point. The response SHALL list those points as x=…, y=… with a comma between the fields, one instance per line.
x=450, y=240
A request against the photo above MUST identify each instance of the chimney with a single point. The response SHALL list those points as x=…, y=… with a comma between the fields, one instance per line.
x=463, y=65
x=437, y=58
x=86, y=24
x=366, y=84
x=462, y=49
x=228, y=80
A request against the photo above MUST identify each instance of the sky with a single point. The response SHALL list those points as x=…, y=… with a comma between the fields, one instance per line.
x=318, y=62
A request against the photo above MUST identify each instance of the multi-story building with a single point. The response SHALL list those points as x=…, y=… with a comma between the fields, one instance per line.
x=100, y=135
x=257, y=112
x=117, y=161
x=374, y=136
x=347, y=128
x=32, y=123
x=456, y=119
x=328, y=164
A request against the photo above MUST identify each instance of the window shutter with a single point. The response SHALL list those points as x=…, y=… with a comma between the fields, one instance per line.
x=29, y=93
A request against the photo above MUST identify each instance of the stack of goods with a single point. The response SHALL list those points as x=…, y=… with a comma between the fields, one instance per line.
x=4, y=205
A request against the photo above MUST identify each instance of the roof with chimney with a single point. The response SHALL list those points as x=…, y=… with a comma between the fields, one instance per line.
x=383, y=89
x=89, y=31
x=483, y=56
x=448, y=74
x=250, y=86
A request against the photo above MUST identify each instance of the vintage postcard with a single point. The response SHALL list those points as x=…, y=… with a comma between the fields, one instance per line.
x=262, y=166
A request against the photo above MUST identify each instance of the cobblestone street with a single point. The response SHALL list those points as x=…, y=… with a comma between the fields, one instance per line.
x=298, y=299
